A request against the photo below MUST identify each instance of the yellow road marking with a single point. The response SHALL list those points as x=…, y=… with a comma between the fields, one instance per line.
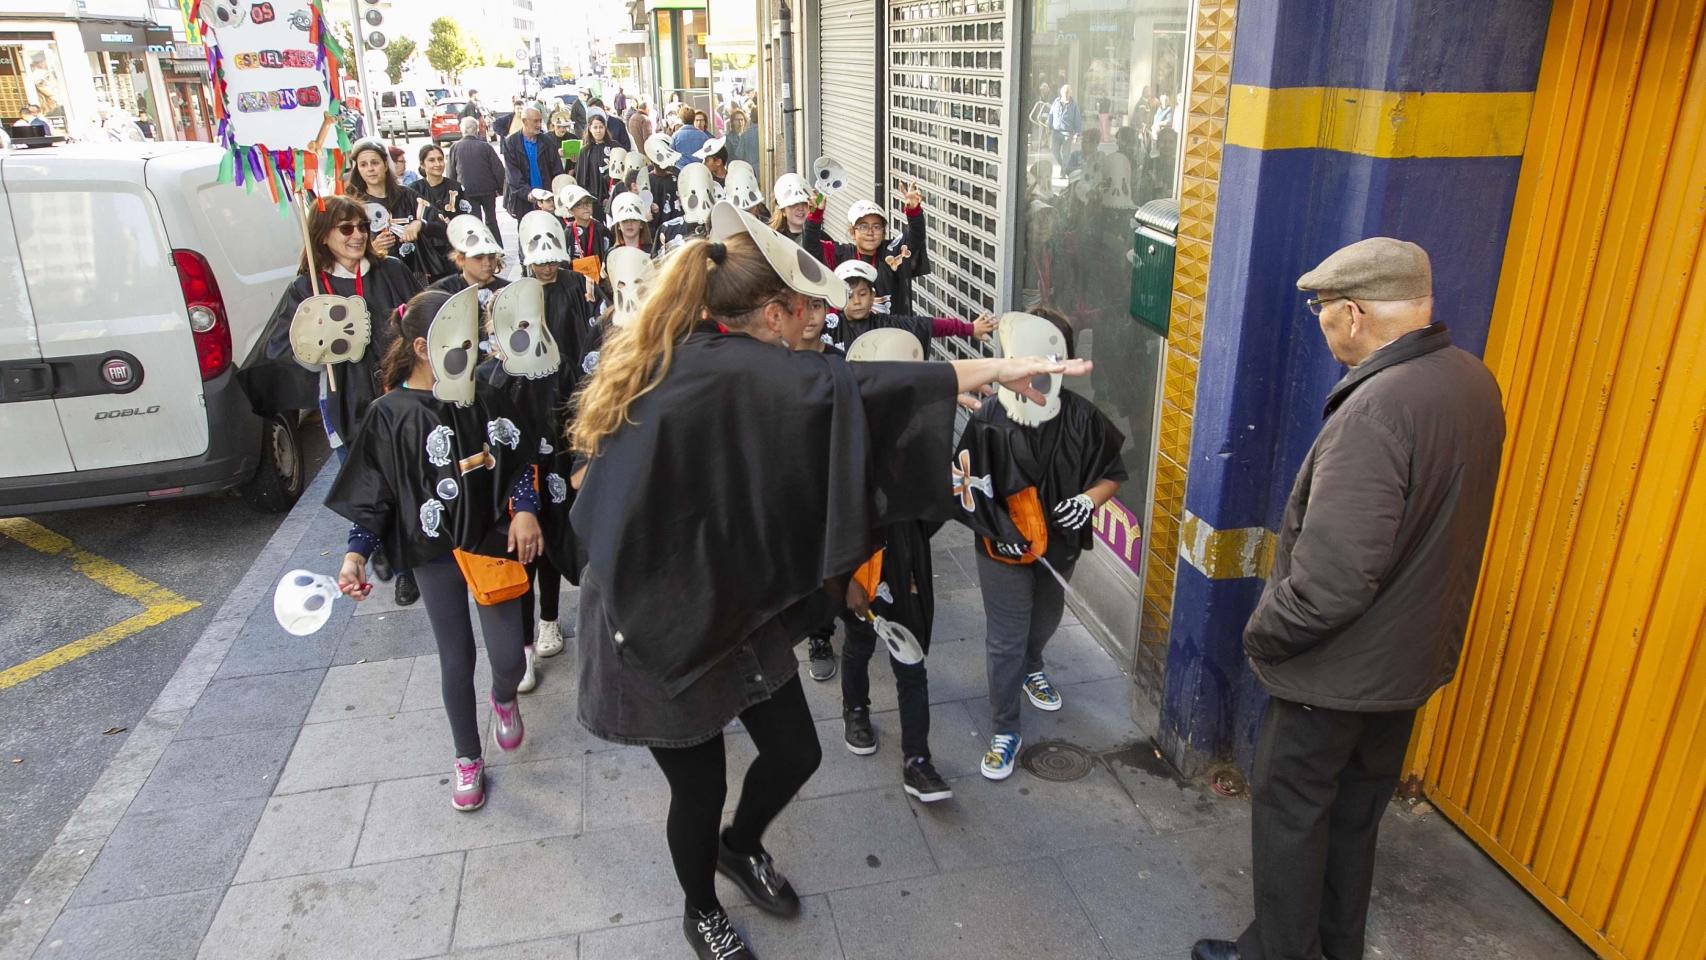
x=158, y=603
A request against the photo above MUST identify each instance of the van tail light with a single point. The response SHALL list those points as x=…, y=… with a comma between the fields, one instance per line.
x=208, y=322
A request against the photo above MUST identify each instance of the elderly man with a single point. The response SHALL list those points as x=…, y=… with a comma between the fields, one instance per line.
x=532, y=158
x=475, y=166
x=1362, y=618
x=1065, y=123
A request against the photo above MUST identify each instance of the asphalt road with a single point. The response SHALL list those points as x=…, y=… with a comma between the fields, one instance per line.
x=53, y=740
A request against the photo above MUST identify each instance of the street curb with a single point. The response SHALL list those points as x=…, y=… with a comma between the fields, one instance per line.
x=43, y=894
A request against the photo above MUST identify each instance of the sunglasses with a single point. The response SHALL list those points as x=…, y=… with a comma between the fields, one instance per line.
x=349, y=228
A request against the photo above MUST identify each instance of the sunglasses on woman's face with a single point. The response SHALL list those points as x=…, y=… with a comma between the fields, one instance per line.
x=349, y=228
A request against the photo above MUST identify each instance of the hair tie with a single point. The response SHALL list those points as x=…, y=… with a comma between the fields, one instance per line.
x=717, y=251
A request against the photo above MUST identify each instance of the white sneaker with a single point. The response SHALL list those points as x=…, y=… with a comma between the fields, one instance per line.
x=547, y=639
x=529, y=680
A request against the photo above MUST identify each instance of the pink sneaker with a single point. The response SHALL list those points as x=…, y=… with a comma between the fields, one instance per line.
x=510, y=731
x=469, y=791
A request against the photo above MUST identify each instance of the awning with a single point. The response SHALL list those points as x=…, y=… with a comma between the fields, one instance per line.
x=186, y=68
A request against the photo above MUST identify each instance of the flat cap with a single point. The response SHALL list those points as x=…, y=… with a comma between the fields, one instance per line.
x=1379, y=268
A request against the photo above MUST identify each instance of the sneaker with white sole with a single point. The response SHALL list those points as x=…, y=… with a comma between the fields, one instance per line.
x=823, y=662
x=921, y=780
x=507, y=720
x=1042, y=693
x=468, y=784
x=547, y=639
x=1003, y=751
x=530, y=679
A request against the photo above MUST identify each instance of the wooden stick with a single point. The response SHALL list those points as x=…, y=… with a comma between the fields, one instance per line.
x=313, y=270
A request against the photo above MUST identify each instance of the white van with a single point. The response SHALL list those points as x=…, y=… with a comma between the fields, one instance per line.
x=404, y=110
x=133, y=283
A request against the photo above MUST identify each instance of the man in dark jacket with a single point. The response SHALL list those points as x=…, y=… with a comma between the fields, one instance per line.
x=475, y=166
x=1362, y=617
x=532, y=159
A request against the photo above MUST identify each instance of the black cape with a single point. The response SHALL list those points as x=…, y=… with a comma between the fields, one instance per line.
x=421, y=256
x=276, y=383
x=845, y=331
x=1061, y=458
x=435, y=243
x=894, y=272
x=664, y=198
x=907, y=593
x=709, y=514
x=413, y=451
x=542, y=411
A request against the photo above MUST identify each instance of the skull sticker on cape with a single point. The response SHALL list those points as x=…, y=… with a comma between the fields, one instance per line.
x=503, y=432
x=741, y=187
x=438, y=445
x=542, y=239
x=519, y=334
x=659, y=151
x=1028, y=335
x=631, y=273
x=378, y=218
x=432, y=517
x=557, y=487
x=829, y=175
x=697, y=190
x=302, y=601
x=330, y=329
x=453, y=343
x=471, y=237
x=886, y=343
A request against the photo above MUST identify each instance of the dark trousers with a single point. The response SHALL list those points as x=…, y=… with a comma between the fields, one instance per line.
x=1321, y=783
x=545, y=586
x=911, y=682
x=1022, y=607
x=788, y=755
x=486, y=208
x=445, y=595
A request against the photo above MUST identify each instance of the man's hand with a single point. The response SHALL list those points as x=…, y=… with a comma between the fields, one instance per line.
x=857, y=600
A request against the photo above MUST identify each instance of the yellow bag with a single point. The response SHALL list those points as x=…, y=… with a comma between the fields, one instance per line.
x=492, y=580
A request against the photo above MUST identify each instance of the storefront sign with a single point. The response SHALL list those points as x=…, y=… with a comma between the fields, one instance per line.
x=114, y=37
x=1121, y=532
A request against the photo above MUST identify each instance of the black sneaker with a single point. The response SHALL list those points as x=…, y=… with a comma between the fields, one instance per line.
x=921, y=780
x=756, y=876
x=407, y=590
x=711, y=936
x=823, y=658
x=856, y=730
x=381, y=566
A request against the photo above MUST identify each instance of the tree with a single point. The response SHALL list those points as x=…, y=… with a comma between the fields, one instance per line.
x=446, y=51
x=397, y=53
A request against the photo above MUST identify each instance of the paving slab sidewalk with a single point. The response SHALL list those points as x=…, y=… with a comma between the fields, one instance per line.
x=287, y=798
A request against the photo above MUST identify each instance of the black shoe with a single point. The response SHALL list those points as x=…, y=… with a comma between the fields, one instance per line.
x=822, y=653
x=381, y=566
x=756, y=876
x=856, y=727
x=1215, y=950
x=712, y=937
x=407, y=590
x=921, y=780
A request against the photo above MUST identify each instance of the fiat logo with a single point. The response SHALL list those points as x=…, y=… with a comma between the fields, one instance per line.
x=118, y=372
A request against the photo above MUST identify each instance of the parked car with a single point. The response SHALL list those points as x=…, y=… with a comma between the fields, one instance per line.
x=134, y=282
x=447, y=120
x=404, y=110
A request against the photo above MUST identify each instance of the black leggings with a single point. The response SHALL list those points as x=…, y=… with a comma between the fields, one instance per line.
x=445, y=595
x=545, y=584
x=788, y=755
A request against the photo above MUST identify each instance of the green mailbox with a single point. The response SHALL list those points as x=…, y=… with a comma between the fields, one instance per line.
x=1155, y=228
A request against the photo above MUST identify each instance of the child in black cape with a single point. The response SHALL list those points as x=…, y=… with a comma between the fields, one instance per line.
x=896, y=261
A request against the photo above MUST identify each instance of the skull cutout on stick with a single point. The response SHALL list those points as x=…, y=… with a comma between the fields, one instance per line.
x=378, y=218
x=223, y=13
x=453, y=347
x=542, y=239
x=330, y=329
x=698, y=194
x=519, y=333
x=631, y=273
x=302, y=602
x=829, y=175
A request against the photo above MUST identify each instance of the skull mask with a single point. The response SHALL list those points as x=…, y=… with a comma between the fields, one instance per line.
x=378, y=218
x=698, y=193
x=453, y=347
x=519, y=334
x=471, y=237
x=741, y=186
x=829, y=175
x=1027, y=335
x=542, y=239
x=791, y=188
x=631, y=273
x=629, y=206
x=223, y=13
x=886, y=344
x=329, y=329
x=302, y=602
x=659, y=151
x=615, y=163
x=636, y=163
x=561, y=181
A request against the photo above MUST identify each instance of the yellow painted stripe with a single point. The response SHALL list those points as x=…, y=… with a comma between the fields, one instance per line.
x=158, y=603
x=1225, y=554
x=1379, y=123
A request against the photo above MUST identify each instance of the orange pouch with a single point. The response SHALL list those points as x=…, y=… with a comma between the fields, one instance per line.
x=871, y=574
x=587, y=267
x=492, y=580
x=1026, y=510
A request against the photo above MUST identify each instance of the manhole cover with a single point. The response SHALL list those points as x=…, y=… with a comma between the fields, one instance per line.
x=1056, y=760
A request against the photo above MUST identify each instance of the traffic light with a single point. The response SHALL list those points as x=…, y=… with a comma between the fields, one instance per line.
x=375, y=37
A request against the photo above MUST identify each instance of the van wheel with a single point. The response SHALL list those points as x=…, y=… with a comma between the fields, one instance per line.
x=280, y=476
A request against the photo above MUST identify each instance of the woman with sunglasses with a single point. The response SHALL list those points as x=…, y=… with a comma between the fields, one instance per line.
x=729, y=480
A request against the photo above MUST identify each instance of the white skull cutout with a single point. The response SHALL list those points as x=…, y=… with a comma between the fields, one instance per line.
x=542, y=239
x=1028, y=335
x=636, y=163
x=453, y=345
x=330, y=329
x=660, y=152
x=519, y=332
x=562, y=181
x=697, y=190
x=631, y=273
x=378, y=218
x=223, y=13
x=741, y=185
x=471, y=237
x=829, y=175
x=615, y=163
x=302, y=602
x=629, y=206
x=1115, y=181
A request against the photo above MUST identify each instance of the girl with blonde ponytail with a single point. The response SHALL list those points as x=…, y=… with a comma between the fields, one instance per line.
x=730, y=479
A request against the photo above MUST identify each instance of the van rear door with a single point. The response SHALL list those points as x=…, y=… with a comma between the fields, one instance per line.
x=35, y=445
x=109, y=306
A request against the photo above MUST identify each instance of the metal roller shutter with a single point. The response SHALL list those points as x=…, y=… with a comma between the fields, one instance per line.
x=852, y=125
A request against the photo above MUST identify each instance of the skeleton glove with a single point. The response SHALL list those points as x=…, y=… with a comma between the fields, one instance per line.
x=1073, y=514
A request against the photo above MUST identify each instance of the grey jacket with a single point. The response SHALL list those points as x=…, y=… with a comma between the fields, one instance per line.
x=1381, y=544
x=473, y=163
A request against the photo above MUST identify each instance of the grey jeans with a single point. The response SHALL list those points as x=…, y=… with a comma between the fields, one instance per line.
x=1022, y=605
